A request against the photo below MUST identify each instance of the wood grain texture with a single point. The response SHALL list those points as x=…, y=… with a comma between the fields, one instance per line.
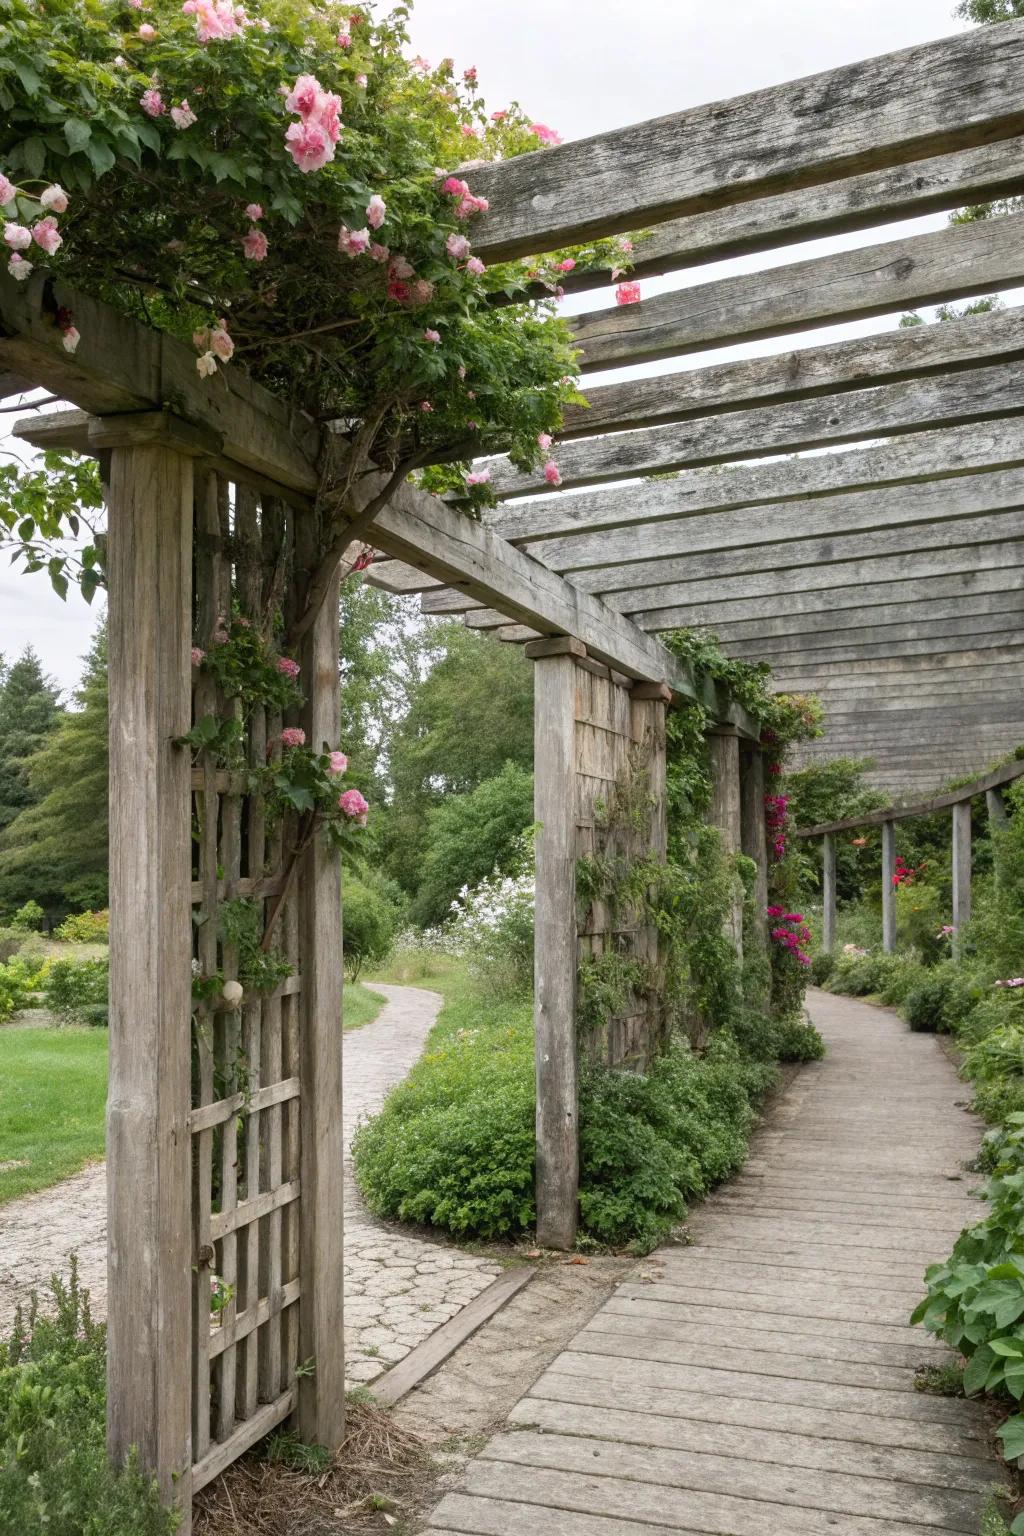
x=753, y=831
x=726, y=814
x=961, y=872
x=886, y=111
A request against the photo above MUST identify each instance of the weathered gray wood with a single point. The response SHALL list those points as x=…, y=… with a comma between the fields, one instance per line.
x=909, y=407
x=726, y=814
x=427, y=1357
x=927, y=100
x=982, y=631
x=149, y=1256
x=753, y=830
x=980, y=786
x=828, y=886
x=888, y=887
x=961, y=872
x=321, y=1394
x=998, y=819
x=554, y=693
x=803, y=373
x=957, y=262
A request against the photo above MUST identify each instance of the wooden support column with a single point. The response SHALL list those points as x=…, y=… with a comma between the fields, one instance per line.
x=149, y=1241
x=753, y=830
x=828, y=890
x=724, y=748
x=321, y=1407
x=554, y=692
x=961, y=872
x=888, y=888
x=998, y=821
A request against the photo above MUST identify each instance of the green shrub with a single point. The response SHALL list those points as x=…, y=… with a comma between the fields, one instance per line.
x=85, y=928
x=799, y=1040
x=19, y=979
x=822, y=966
x=368, y=924
x=29, y=918
x=76, y=991
x=934, y=1002
x=857, y=974
x=55, y=1479
x=11, y=940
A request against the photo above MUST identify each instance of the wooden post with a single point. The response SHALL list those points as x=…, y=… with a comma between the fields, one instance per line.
x=149, y=1249
x=998, y=821
x=961, y=872
x=888, y=887
x=554, y=692
x=321, y=1417
x=724, y=747
x=753, y=830
x=828, y=889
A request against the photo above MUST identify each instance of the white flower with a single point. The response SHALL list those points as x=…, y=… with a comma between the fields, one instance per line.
x=206, y=365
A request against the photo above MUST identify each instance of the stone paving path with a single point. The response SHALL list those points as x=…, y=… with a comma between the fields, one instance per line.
x=398, y=1287
x=761, y=1382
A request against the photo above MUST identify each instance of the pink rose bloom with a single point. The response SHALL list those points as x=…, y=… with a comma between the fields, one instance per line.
x=18, y=267
x=152, y=103
x=46, y=235
x=136, y=5
x=627, y=293
x=432, y=336
x=17, y=237
x=478, y=477
x=7, y=190
x=470, y=133
x=544, y=440
x=344, y=40
x=421, y=292
x=455, y=187
x=551, y=473
x=309, y=146
x=566, y=265
x=304, y=97
x=462, y=370
x=146, y=32
x=220, y=342
x=426, y=407
x=292, y=736
x=70, y=337
x=182, y=116
x=475, y=266
x=545, y=134
x=397, y=291
x=255, y=246
x=54, y=199
x=376, y=211
x=379, y=252
x=254, y=211
x=353, y=242
x=457, y=247
x=329, y=115
x=189, y=8
x=470, y=205
x=353, y=804
x=216, y=20
x=400, y=268
x=198, y=655
x=420, y=63
x=362, y=82
x=288, y=668
x=339, y=762
x=205, y=366
x=469, y=75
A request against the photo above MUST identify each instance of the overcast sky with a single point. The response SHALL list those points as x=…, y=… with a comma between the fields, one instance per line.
x=585, y=67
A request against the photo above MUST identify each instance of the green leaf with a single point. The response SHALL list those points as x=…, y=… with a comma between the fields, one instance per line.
x=33, y=153
x=28, y=77
x=1017, y=1528
x=1014, y=1378
x=1009, y=1347
x=77, y=132
x=101, y=156
x=976, y=1374
x=1011, y=1433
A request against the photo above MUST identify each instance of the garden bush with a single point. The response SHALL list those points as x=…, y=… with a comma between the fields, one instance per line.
x=822, y=966
x=85, y=928
x=19, y=980
x=29, y=918
x=55, y=1479
x=77, y=991
x=368, y=925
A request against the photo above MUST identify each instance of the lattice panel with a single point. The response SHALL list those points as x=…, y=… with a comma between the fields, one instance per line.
x=245, y=1077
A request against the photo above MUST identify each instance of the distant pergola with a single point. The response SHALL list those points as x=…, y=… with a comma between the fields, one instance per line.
x=889, y=578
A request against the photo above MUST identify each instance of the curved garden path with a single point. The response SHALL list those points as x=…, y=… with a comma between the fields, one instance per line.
x=761, y=1381
x=398, y=1287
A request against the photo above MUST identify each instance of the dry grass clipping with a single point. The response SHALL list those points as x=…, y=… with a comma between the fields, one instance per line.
x=373, y=1484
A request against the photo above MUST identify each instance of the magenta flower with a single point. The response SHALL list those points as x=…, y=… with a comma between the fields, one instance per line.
x=434, y=337
x=288, y=668
x=478, y=477
x=551, y=473
x=292, y=736
x=344, y=40
x=339, y=762
x=255, y=245
x=627, y=293
x=309, y=146
x=475, y=266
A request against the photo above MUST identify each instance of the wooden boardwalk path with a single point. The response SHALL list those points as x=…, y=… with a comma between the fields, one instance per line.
x=761, y=1382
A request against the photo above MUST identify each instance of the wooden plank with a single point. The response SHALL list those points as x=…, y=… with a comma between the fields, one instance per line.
x=961, y=872
x=958, y=262
x=246, y=1323
x=1005, y=774
x=881, y=410
x=888, y=887
x=828, y=883
x=263, y=1204
x=754, y=832
x=244, y=1437
x=149, y=1149
x=726, y=814
x=927, y=100
x=427, y=1357
x=557, y=1179
x=802, y=373
x=216, y=1113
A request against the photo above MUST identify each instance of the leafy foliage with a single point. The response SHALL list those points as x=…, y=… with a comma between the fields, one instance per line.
x=369, y=925
x=28, y=713
x=470, y=836
x=77, y=991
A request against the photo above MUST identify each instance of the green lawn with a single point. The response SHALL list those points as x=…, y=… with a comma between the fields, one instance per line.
x=53, y=1089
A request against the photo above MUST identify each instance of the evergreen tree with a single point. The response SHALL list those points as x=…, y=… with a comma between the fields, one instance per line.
x=55, y=850
x=28, y=713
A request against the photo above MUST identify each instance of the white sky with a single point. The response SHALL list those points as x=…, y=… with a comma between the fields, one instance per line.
x=586, y=67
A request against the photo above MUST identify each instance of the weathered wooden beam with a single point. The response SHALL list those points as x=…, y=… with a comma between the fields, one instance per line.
x=726, y=814
x=754, y=831
x=888, y=886
x=958, y=262
x=886, y=410
x=802, y=373
x=928, y=100
x=828, y=889
x=1005, y=774
x=399, y=578
x=121, y=366
x=956, y=180
x=889, y=650
x=882, y=669
x=775, y=528
x=924, y=621
x=961, y=873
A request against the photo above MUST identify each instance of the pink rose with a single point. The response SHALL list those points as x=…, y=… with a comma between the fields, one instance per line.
x=545, y=134
x=7, y=190
x=54, y=199
x=397, y=291
x=344, y=40
x=551, y=473
x=220, y=342
x=470, y=205
x=376, y=211
x=216, y=20
x=469, y=75
x=182, y=116
x=205, y=366
x=432, y=336
x=70, y=337
x=421, y=292
x=17, y=237
x=627, y=293
x=478, y=477
x=287, y=667
x=46, y=235
x=362, y=82
x=475, y=266
x=255, y=246
x=566, y=265
x=304, y=96
x=544, y=440
x=353, y=242
x=146, y=32
x=254, y=211
x=426, y=407
x=379, y=252
x=456, y=188
x=457, y=247
x=309, y=146
x=499, y=117
x=18, y=267
x=152, y=103
x=198, y=656
x=292, y=736
x=339, y=762
x=353, y=804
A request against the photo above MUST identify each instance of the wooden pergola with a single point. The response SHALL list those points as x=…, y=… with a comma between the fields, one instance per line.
x=889, y=576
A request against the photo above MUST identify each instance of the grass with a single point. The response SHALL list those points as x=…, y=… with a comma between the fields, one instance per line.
x=53, y=1091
